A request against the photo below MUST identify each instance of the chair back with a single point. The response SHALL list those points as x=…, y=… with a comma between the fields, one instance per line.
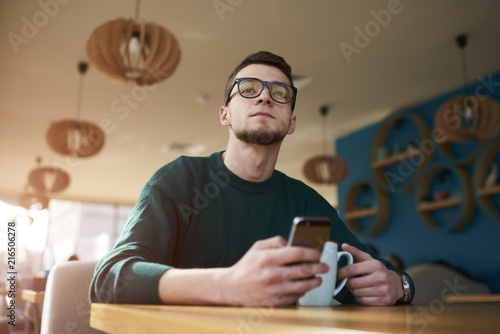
x=66, y=307
x=434, y=282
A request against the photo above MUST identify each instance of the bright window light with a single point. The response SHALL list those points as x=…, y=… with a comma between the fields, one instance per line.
x=31, y=226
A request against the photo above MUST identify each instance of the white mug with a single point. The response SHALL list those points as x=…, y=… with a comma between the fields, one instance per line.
x=323, y=294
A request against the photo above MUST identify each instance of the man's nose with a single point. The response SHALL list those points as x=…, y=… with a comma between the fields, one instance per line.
x=264, y=96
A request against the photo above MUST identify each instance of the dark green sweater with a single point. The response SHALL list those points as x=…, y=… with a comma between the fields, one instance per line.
x=195, y=213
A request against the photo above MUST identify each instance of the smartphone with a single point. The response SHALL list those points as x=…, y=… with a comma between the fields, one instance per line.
x=310, y=232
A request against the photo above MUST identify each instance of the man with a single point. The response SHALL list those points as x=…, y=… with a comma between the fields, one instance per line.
x=210, y=230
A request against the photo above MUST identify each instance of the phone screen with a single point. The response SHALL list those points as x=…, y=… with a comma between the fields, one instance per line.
x=310, y=232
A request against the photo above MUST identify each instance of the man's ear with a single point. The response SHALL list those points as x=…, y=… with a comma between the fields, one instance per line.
x=224, y=116
x=291, y=127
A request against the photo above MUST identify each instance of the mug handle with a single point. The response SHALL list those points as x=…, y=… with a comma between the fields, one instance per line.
x=343, y=282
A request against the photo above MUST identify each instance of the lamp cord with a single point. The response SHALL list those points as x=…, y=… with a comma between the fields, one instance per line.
x=82, y=69
x=461, y=41
x=79, y=98
x=464, y=70
x=137, y=7
x=325, y=148
x=324, y=112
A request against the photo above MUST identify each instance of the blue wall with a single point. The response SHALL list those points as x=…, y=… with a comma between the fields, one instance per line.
x=475, y=248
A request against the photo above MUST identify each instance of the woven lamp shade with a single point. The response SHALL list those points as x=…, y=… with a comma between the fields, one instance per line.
x=484, y=123
x=28, y=200
x=48, y=179
x=61, y=138
x=157, y=56
x=325, y=169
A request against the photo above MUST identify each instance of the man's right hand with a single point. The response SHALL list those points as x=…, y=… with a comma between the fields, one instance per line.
x=271, y=274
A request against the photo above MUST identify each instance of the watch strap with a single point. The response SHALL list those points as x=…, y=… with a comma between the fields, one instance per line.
x=405, y=283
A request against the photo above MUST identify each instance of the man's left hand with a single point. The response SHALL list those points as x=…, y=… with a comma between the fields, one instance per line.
x=369, y=280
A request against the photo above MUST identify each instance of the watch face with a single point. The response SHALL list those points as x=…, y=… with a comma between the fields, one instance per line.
x=406, y=288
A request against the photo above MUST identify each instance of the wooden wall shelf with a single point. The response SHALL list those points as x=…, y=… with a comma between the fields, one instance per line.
x=379, y=141
x=361, y=213
x=380, y=212
x=425, y=209
x=394, y=159
x=489, y=191
x=480, y=174
x=436, y=205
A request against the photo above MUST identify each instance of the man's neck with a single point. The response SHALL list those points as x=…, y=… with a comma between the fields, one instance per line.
x=251, y=162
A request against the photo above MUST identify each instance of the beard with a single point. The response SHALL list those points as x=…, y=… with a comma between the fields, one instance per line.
x=260, y=136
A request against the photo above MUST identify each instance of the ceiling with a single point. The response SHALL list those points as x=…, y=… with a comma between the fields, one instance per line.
x=407, y=58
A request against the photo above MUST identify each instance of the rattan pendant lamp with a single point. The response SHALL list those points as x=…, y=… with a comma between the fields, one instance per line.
x=48, y=179
x=30, y=201
x=325, y=168
x=469, y=116
x=132, y=50
x=43, y=181
x=76, y=137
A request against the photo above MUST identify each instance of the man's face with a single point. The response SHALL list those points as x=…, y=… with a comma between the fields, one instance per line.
x=259, y=120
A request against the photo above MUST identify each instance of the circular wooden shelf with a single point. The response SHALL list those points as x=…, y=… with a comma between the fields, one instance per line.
x=444, y=147
x=425, y=208
x=484, y=194
x=415, y=159
x=380, y=211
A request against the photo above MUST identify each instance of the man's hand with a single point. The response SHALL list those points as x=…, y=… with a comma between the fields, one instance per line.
x=270, y=274
x=376, y=285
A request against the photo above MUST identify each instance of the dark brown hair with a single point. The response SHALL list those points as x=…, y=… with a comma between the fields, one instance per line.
x=264, y=58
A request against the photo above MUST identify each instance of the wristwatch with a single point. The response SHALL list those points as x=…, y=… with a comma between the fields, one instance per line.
x=406, y=289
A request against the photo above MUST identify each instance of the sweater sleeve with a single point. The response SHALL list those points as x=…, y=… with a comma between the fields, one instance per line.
x=131, y=271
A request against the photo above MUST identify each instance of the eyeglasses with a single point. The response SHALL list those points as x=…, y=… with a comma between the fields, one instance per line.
x=252, y=87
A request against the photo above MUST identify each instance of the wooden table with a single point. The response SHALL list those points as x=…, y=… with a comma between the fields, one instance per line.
x=35, y=297
x=436, y=317
x=472, y=298
x=3, y=302
x=33, y=309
